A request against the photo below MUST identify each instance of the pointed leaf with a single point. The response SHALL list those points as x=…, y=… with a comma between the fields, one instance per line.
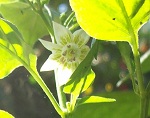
x=118, y=109
x=26, y=20
x=7, y=1
x=91, y=107
x=126, y=52
x=94, y=99
x=9, y=47
x=80, y=83
x=41, y=1
x=15, y=53
x=82, y=74
x=7, y=62
x=108, y=20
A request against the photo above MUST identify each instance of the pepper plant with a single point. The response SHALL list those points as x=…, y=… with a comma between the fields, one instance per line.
x=24, y=22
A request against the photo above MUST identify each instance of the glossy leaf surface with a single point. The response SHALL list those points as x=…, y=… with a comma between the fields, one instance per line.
x=41, y=1
x=4, y=114
x=25, y=19
x=91, y=107
x=111, y=20
x=94, y=99
x=7, y=1
x=83, y=76
x=9, y=46
x=13, y=50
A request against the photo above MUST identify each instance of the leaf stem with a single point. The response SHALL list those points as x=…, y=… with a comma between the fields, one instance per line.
x=134, y=44
x=143, y=94
x=60, y=93
x=69, y=19
x=5, y=37
x=48, y=23
x=38, y=79
x=144, y=106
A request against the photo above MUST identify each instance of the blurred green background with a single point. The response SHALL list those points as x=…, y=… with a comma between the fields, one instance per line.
x=22, y=97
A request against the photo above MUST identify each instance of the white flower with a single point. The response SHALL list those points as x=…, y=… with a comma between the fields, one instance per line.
x=67, y=53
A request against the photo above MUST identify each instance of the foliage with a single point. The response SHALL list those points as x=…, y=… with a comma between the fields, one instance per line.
x=5, y=114
x=112, y=20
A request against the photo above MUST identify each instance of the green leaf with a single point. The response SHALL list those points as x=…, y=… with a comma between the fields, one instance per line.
x=41, y=1
x=91, y=107
x=79, y=84
x=126, y=52
x=94, y=99
x=29, y=23
x=83, y=76
x=9, y=46
x=7, y=63
x=5, y=114
x=7, y=1
x=15, y=52
x=111, y=20
x=145, y=61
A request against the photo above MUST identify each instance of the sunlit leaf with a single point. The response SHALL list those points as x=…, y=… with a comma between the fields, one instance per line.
x=126, y=53
x=4, y=114
x=26, y=20
x=94, y=99
x=108, y=20
x=83, y=76
x=91, y=107
x=9, y=46
x=14, y=53
x=7, y=1
x=80, y=83
x=41, y=1
x=7, y=62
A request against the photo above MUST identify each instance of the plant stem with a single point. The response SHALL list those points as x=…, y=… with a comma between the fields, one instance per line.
x=68, y=20
x=142, y=90
x=134, y=44
x=60, y=93
x=73, y=101
x=144, y=107
x=48, y=25
x=37, y=78
x=138, y=68
x=45, y=89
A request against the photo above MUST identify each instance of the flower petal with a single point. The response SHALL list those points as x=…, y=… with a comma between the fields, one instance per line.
x=62, y=34
x=80, y=37
x=49, y=65
x=49, y=45
x=63, y=75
